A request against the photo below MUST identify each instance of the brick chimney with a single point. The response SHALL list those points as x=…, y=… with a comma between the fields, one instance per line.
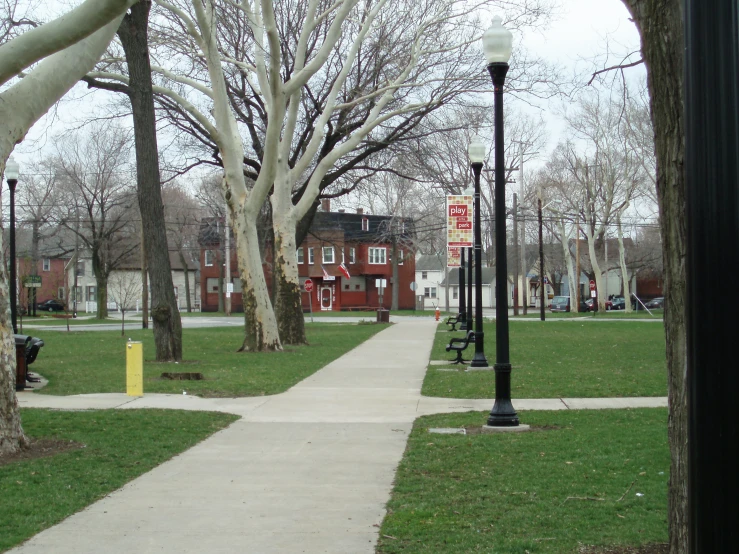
x=326, y=204
x=360, y=211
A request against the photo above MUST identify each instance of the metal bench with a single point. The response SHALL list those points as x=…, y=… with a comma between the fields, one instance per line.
x=454, y=319
x=458, y=344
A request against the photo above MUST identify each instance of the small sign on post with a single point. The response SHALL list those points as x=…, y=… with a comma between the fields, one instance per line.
x=134, y=369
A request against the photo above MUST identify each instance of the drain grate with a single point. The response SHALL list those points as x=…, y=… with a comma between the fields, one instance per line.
x=183, y=376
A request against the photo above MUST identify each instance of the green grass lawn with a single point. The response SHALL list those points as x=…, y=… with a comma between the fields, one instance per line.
x=561, y=359
x=95, y=361
x=533, y=313
x=118, y=447
x=581, y=478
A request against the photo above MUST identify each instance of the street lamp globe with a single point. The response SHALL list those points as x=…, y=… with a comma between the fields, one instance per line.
x=476, y=150
x=497, y=42
x=12, y=169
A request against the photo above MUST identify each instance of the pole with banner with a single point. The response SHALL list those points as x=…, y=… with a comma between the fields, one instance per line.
x=308, y=285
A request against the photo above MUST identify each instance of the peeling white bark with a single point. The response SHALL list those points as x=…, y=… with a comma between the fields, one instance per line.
x=20, y=107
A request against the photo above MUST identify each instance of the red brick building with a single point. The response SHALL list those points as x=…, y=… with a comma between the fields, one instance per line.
x=345, y=255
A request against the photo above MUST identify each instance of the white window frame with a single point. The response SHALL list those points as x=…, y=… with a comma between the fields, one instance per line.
x=377, y=253
x=300, y=255
x=208, y=258
x=365, y=224
x=311, y=256
x=328, y=259
x=424, y=275
x=352, y=255
x=401, y=258
x=429, y=292
x=46, y=264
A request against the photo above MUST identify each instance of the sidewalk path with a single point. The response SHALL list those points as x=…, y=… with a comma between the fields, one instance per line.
x=309, y=470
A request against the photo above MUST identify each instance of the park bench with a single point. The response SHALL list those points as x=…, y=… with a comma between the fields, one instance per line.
x=458, y=344
x=454, y=319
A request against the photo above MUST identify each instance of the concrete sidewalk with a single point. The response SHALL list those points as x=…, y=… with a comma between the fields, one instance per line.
x=309, y=470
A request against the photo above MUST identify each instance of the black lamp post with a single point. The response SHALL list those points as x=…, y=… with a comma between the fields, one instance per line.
x=497, y=44
x=462, y=293
x=11, y=175
x=477, y=155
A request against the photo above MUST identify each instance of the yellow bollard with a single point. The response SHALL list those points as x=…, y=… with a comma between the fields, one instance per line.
x=134, y=369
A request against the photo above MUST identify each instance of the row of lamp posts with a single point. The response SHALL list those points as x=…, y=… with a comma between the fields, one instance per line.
x=497, y=45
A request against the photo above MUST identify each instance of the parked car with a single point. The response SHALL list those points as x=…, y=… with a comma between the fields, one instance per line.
x=51, y=306
x=616, y=303
x=658, y=302
x=562, y=304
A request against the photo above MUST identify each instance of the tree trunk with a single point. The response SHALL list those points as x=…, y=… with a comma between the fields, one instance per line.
x=660, y=26
x=144, y=285
x=287, y=294
x=188, y=300
x=624, y=269
x=165, y=315
x=12, y=437
x=101, y=281
x=260, y=325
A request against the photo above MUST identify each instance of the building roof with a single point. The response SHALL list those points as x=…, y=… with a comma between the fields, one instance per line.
x=488, y=277
x=430, y=262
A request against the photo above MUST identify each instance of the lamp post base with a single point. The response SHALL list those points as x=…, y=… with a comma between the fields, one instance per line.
x=479, y=360
x=503, y=414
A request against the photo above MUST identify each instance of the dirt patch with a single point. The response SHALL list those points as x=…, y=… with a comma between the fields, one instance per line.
x=662, y=548
x=40, y=448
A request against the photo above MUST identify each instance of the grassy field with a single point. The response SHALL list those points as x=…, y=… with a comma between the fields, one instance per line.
x=561, y=359
x=613, y=314
x=118, y=447
x=545, y=491
x=93, y=362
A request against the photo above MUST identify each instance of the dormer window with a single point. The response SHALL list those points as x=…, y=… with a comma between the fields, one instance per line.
x=365, y=224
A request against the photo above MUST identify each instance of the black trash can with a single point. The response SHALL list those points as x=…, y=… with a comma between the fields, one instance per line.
x=21, y=343
x=383, y=316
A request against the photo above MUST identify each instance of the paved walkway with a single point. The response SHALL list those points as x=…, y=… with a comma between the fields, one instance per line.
x=309, y=470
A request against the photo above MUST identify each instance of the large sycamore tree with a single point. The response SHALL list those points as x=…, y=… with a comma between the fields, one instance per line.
x=290, y=96
x=69, y=47
x=660, y=25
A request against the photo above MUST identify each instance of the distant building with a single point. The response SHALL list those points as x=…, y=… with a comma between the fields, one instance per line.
x=347, y=256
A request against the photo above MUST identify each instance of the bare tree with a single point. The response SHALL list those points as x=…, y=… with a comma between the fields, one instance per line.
x=95, y=172
x=182, y=214
x=125, y=289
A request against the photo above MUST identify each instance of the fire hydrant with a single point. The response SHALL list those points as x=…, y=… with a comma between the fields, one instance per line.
x=438, y=314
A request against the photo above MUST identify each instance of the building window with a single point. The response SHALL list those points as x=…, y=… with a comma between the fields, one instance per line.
x=300, y=255
x=77, y=293
x=424, y=275
x=401, y=257
x=365, y=224
x=208, y=258
x=455, y=293
x=429, y=292
x=377, y=255
x=81, y=269
x=60, y=293
x=311, y=257
x=91, y=294
x=47, y=264
x=328, y=255
x=352, y=255
x=212, y=285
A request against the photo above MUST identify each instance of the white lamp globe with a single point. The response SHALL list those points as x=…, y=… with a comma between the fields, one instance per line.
x=12, y=169
x=497, y=42
x=476, y=150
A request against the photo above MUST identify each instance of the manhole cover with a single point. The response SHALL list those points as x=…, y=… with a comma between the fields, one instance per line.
x=183, y=376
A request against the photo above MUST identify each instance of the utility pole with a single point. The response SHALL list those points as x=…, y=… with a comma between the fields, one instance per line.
x=515, y=266
x=541, y=259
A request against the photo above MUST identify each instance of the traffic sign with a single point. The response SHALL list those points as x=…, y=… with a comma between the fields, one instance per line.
x=308, y=285
x=592, y=285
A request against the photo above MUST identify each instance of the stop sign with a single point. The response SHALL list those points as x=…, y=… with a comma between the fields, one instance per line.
x=308, y=285
x=592, y=285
